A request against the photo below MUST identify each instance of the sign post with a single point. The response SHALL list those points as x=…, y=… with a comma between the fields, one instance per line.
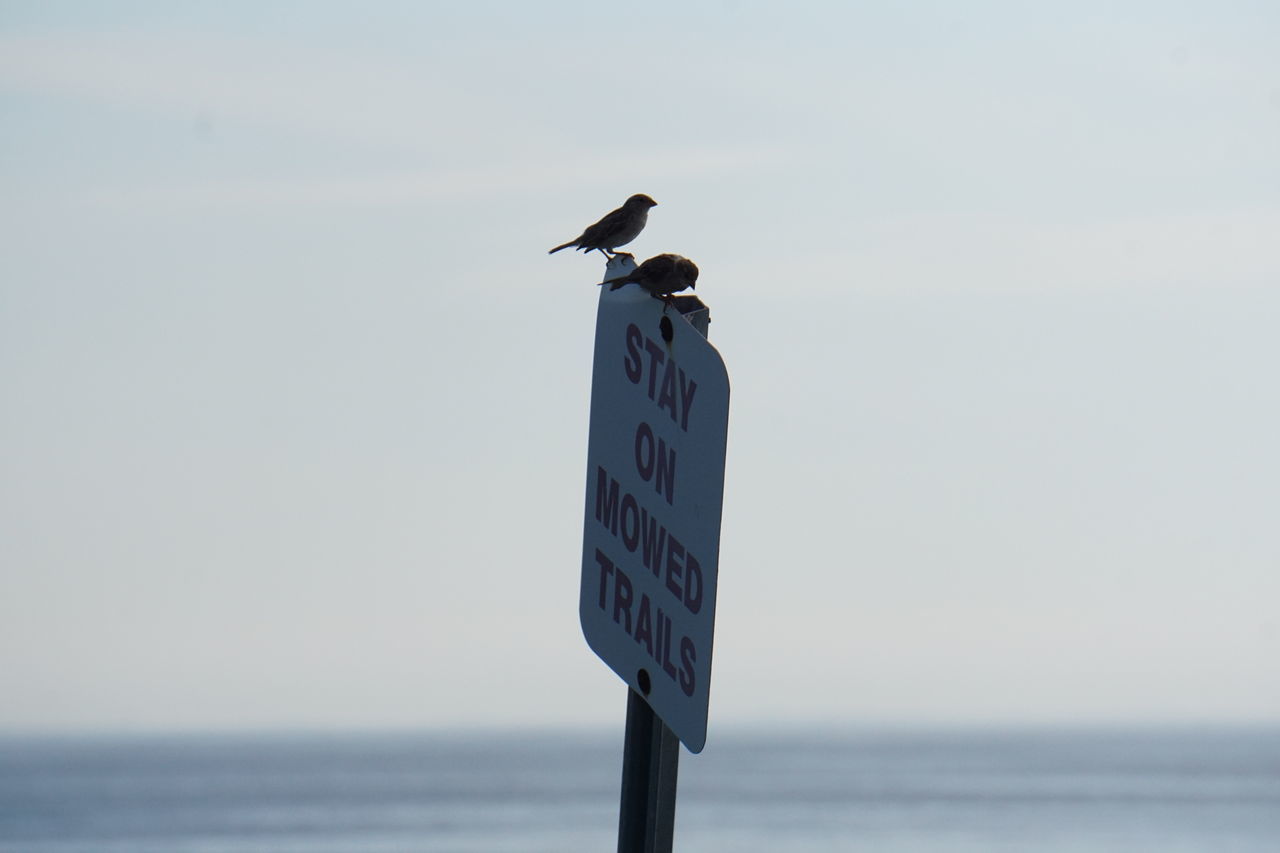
x=650, y=760
x=651, y=540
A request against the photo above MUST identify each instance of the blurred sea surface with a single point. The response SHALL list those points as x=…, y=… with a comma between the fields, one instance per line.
x=888, y=790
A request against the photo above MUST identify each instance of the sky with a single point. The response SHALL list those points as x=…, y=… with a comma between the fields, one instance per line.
x=294, y=417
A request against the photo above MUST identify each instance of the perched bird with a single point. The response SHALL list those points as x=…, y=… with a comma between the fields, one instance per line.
x=617, y=228
x=661, y=275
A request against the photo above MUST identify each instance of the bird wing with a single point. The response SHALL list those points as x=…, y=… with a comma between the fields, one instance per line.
x=606, y=227
x=658, y=267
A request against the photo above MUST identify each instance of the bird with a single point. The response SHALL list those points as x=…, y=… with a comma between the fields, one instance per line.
x=616, y=228
x=661, y=275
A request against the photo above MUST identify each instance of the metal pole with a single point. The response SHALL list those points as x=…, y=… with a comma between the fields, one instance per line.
x=651, y=753
x=650, y=759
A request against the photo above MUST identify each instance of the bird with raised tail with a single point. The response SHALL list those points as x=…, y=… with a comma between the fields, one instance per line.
x=616, y=228
x=661, y=275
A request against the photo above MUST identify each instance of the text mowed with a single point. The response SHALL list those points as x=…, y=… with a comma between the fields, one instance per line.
x=655, y=485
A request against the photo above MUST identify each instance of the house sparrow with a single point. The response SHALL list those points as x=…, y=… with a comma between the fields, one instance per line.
x=661, y=275
x=617, y=228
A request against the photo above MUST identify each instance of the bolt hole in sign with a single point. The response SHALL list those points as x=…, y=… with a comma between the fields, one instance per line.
x=655, y=487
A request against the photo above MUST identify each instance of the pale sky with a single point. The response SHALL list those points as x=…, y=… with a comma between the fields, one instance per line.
x=294, y=409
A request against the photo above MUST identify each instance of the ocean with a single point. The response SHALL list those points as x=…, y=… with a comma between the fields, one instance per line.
x=890, y=791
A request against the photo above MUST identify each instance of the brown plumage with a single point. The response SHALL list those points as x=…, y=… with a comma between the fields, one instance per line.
x=617, y=228
x=661, y=275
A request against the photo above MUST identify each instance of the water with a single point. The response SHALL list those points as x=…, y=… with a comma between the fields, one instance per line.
x=890, y=792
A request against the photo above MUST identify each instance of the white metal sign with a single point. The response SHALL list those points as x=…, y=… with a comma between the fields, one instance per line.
x=655, y=486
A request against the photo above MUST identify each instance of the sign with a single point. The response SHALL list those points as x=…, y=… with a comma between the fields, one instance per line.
x=655, y=486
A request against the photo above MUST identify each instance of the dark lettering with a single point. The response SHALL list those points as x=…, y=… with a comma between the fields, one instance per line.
x=654, y=542
x=692, y=584
x=674, y=568
x=656, y=357
x=632, y=365
x=686, y=400
x=644, y=451
x=644, y=629
x=622, y=598
x=606, y=569
x=662, y=460
x=688, y=654
x=667, y=396
x=667, y=666
x=666, y=472
x=630, y=509
x=606, y=500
